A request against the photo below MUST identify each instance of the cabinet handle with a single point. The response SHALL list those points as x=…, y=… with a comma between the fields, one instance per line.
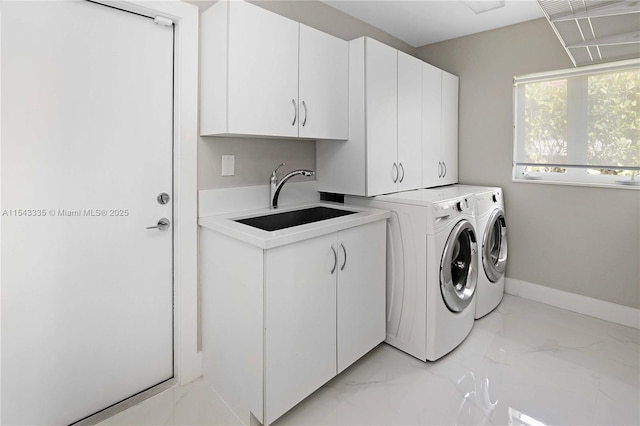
x=439, y=169
x=344, y=250
x=295, y=112
x=335, y=259
x=304, y=105
x=402, y=167
x=395, y=168
x=445, y=169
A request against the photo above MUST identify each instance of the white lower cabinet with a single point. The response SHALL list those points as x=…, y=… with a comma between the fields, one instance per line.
x=300, y=322
x=322, y=308
x=361, y=290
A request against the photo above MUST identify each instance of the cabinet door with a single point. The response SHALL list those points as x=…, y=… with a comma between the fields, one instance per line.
x=450, y=127
x=324, y=85
x=300, y=322
x=263, y=72
x=432, y=169
x=361, y=291
x=409, y=122
x=381, y=80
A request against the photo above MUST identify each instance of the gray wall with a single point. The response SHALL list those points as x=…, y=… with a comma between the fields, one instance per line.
x=255, y=158
x=577, y=239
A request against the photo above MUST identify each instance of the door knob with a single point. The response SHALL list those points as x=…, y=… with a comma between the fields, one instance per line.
x=163, y=224
x=163, y=198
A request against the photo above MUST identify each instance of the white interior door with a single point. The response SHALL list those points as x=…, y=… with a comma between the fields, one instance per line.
x=86, y=149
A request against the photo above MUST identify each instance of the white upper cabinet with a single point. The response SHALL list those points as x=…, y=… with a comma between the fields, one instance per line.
x=262, y=72
x=384, y=150
x=450, y=127
x=381, y=88
x=409, y=122
x=265, y=75
x=439, y=127
x=324, y=85
x=431, y=125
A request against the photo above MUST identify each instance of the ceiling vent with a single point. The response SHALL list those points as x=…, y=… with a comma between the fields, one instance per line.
x=479, y=7
x=595, y=31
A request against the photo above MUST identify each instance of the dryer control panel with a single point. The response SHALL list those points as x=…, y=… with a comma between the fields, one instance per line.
x=488, y=201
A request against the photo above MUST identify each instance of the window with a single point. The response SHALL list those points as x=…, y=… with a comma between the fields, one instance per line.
x=579, y=126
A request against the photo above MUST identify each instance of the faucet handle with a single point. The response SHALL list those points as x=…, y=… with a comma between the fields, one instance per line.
x=274, y=173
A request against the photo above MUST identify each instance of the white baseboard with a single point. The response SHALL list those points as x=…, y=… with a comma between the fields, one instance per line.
x=585, y=305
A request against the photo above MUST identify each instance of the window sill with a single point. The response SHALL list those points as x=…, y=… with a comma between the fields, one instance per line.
x=547, y=181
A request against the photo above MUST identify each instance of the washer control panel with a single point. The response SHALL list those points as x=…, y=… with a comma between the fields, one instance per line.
x=462, y=205
x=452, y=207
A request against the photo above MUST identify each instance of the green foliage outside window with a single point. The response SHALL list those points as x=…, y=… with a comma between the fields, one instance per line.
x=614, y=119
x=546, y=124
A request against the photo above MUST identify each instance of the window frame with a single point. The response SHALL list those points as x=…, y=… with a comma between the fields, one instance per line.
x=576, y=169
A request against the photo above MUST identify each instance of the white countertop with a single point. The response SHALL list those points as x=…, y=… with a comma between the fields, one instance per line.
x=225, y=224
x=422, y=197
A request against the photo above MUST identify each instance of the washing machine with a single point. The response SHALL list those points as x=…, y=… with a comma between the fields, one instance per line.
x=492, y=234
x=432, y=266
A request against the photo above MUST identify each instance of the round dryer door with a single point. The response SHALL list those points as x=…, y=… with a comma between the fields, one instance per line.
x=458, y=270
x=494, y=246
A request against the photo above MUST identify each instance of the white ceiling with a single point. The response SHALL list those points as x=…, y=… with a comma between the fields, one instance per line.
x=418, y=23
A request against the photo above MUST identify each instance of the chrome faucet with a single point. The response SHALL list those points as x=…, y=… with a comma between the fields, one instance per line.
x=276, y=185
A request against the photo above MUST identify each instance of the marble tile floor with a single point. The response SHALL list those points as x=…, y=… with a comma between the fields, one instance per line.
x=526, y=363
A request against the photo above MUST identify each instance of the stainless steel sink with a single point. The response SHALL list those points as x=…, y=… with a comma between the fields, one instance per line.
x=274, y=222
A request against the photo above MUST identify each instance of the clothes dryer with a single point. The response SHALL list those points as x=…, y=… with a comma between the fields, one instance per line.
x=492, y=234
x=432, y=267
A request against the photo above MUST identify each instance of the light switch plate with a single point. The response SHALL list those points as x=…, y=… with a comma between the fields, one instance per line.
x=228, y=165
